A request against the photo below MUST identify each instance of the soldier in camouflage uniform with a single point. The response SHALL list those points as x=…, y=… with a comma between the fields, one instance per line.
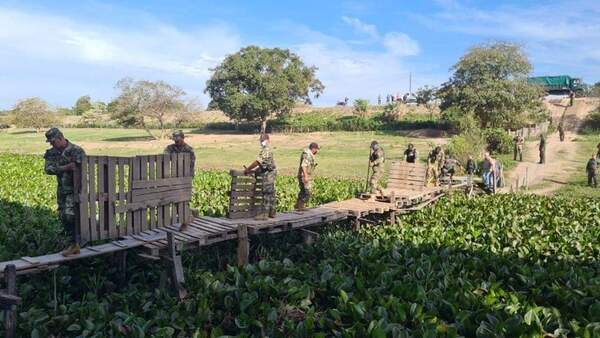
x=308, y=163
x=435, y=162
x=376, y=163
x=179, y=146
x=264, y=166
x=64, y=160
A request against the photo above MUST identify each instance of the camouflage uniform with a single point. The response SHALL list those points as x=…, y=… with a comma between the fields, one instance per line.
x=376, y=161
x=68, y=202
x=308, y=161
x=268, y=171
x=518, y=150
x=185, y=148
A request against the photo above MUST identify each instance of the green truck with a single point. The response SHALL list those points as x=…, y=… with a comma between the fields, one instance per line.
x=561, y=84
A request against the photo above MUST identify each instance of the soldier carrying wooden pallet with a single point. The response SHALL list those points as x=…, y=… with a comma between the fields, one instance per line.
x=265, y=165
x=63, y=160
x=179, y=146
x=308, y=163
x=376, y=163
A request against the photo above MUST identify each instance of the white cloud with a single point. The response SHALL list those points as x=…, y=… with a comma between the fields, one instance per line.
x=361, y=27
x=157, y=46
x=400, y=44
x=563, y=33
x=396, y=43
x=350, y=70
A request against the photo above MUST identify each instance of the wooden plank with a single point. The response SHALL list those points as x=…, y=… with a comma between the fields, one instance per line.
x=102, y=227
x=243, y=245
x=187, y=172
x=150, y=191
x=137, y=215
x=184, y=194
x=152, y=177
x=161, y=182
x=167, y=174
x=174, y=210
x=130, y=214
x=143, y=177
x=122, y=228
x=180, y=205
x=94, y=235
x=84, y=214
x=159, y=176
x=10, y=315
x=112, y=225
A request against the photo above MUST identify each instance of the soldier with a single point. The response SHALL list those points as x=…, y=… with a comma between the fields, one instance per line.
x=435, y=161
x=561, y=131
x=449, y=167
x=264, y=165
x=179, y=146
x=376, y=163
x=470, y=168
x=591, y=169
x=518, y=148
x=410, y=154
x=542, y=148
x=488, y=171
x=63, y=160
x=308, y=163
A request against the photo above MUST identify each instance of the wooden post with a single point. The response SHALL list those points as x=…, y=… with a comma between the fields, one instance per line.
x=356, y=224
x=174, y=260
x=10, y=311
x=121, y=262
x=243, y=245
x=393, y=217
x=526, y=178
x=309, y=237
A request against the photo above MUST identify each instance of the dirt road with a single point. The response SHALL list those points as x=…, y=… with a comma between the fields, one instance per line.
x=562, y=158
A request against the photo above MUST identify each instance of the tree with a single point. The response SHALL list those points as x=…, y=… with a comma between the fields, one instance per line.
x=95, y=116
x=426, y=96
x=361, y=107
x=142, y=102
x=255, y=83
x=490, y=82
x=82, y=105
x=32, y=113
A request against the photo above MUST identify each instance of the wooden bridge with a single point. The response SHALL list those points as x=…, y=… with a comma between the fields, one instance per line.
x=142, y=202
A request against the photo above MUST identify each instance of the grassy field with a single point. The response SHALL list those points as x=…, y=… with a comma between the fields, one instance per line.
x=343, y=154
x=577, y=183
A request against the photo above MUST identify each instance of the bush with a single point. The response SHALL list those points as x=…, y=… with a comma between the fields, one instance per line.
x=498, y=141
x=361, y=107
x=463, y=145
x=592, y=122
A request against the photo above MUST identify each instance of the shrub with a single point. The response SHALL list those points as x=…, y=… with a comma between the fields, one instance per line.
x=469, y=143
x=498, y=141
x=361, y=107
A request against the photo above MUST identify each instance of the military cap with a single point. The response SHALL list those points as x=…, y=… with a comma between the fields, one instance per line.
x=313, y=145
x=52, y=134
x=178, y=133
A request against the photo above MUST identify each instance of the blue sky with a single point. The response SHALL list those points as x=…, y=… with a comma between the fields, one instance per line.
x=61, y=50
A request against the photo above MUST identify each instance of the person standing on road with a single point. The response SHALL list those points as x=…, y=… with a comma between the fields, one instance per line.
x=561, y=131
x=518, y=149
x=410, y=154
x=376, y=163
x=308, y=163
x=64, y=160
x=591, y=169
x=264, y=166
x=488, y=171
x=470, y=168
x=542, y=148
x=179, y=146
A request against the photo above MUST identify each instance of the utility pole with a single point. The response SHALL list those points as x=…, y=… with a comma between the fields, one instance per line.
x=410, y=83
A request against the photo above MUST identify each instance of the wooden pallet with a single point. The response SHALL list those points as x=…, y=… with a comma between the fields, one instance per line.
x=356, y=207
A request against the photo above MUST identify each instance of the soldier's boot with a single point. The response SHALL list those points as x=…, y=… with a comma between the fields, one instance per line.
x=262, y=216
x=300, y=206
x=272, y=213
x=71, y=250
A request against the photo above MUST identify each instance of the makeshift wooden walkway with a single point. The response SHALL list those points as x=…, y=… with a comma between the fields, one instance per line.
x=140, y=203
